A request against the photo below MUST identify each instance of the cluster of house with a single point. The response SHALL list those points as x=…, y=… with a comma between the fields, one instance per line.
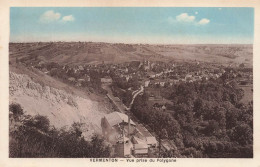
x=78, y=82
x=170, y=77
x=129, y=139
x=132, y=70
x=149, y=74
x=169, y=74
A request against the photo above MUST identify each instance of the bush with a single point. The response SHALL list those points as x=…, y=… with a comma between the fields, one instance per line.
x=15, y=110
x=243, y=134
x=33, y=137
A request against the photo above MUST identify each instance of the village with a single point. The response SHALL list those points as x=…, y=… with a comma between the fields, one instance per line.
x=121, y=83
x=124, y=79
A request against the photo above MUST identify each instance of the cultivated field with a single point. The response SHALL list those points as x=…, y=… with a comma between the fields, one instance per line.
x=89, y=52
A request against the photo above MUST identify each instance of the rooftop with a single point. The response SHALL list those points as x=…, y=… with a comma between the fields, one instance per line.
x=115, y=118
x=143, y=130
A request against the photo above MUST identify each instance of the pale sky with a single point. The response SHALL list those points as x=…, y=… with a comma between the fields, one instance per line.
x=163, y=25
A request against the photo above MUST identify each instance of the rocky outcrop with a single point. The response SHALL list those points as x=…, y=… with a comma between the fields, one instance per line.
x=62, y=108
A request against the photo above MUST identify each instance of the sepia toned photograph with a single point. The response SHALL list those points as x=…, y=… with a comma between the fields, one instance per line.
x=131, y=82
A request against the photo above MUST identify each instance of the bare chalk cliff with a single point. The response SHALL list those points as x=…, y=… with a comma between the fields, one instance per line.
x=62, y=108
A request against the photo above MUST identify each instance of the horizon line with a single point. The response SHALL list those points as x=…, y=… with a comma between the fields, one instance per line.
x=132, y=43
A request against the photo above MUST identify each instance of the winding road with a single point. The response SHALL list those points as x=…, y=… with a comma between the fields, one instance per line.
x=141, y=90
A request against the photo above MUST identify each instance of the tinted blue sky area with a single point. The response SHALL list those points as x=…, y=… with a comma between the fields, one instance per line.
x=132, y=25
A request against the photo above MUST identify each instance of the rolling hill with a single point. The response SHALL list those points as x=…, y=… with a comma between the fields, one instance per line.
x=89, y=52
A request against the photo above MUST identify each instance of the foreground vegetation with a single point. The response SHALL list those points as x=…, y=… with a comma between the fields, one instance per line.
x=204, y=119
x=32, y=136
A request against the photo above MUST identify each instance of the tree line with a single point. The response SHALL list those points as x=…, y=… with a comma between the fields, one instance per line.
x=205, y=119
x=33, y=136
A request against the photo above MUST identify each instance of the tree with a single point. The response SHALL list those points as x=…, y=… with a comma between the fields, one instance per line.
x=231, y=118
x=220, y=117
x=212, y=127
x=76, y=128
x=33, y=137
x=243, y=134
x=42, y=123
x=162, y=134
x=16, y=111
x=192, y=152
x=127, y=97
x=39, y=122
x=98, y=147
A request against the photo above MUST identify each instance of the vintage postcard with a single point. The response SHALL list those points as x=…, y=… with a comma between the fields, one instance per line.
x=139, y=85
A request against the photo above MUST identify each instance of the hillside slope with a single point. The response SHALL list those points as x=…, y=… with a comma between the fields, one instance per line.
x=60, y=107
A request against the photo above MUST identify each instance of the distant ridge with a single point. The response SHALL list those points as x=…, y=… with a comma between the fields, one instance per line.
x=97, y=52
